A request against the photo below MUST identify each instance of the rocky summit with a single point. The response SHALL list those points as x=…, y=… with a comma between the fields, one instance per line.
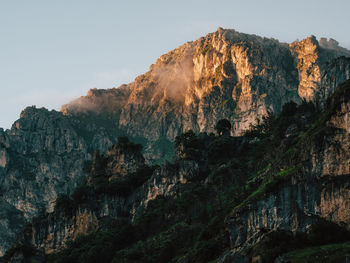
x=231, y=148
x=225, y=74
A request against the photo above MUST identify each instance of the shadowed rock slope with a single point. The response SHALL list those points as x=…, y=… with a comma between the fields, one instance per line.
x=41, y=156
x=277, y=194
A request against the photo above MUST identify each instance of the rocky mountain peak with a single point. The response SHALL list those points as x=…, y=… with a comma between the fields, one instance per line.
x=312, y=57
x=333, y=45
x=226, y=74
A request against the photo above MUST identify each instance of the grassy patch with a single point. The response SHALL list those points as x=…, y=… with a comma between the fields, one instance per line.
x=333, y=253
x=268, y=186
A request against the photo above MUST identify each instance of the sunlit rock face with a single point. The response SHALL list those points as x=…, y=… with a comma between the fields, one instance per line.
x=314, y=61
x=307, y=52
x=225, y=74
x=98, y=100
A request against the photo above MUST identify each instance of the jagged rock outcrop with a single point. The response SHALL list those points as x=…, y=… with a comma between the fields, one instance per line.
x=228, y=75
x=164, y=182
x=294, y=208
x=336, y=72
x=41, y=156
x=313, y=63
x=121, y=159
x=52, y=233
x=126, y=159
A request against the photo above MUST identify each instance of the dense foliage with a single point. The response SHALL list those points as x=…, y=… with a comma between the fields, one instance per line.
x=190, y=226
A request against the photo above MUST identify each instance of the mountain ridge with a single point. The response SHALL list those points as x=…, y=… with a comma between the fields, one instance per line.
x=282, y=186
x=230, y=66
x=224, y=75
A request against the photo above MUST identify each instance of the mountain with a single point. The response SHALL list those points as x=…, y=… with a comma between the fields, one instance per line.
x=280, y=193
x=225, y=74
x=67, y=180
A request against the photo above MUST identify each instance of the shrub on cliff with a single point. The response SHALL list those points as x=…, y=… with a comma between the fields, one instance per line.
x=64, y=204
x=326, y=232
x=81, y=194
x=222, y=149
x=188, y=146
x=123, y=186
x=223, y=127
x=123, y=142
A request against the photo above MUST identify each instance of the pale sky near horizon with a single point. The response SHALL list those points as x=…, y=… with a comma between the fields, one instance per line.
x=54, y=51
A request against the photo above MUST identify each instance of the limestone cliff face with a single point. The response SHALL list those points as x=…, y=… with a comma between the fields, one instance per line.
x=225, y=74
x=51, y=234
x=313, y=62
x=294, y=208
x=336, y=72
x=322, y=191
x=41, y=156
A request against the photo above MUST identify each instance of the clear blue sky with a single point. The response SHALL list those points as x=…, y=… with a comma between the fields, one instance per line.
x=54, y=51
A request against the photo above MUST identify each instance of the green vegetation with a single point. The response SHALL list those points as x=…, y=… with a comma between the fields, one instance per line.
x=64, y=204
x=82, y=123
x=305, y=245
x=97, y=247
x=332, y=253
x=223, y=127
x=188, y=146
x=278, y=242
x=125, y=143
x=26, y=250
x=165, y=148
x=325, y=232
x=174, y=228
x=269, y=186
x=190, y=224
